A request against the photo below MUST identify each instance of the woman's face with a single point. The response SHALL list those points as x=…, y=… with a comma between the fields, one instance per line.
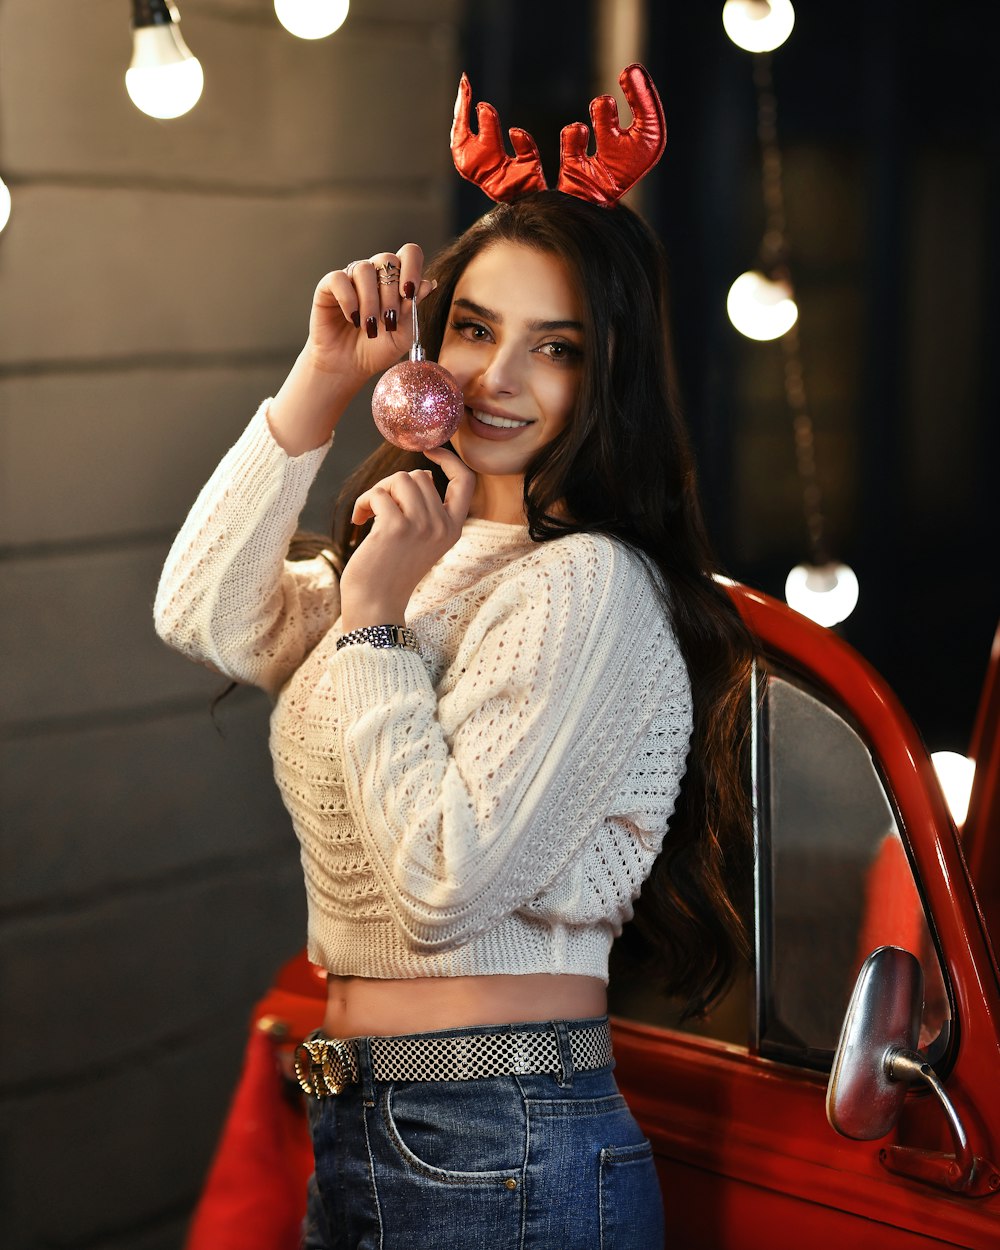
x=514, y=342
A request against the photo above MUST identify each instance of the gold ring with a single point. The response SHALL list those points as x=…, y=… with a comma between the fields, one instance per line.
x=388, y=273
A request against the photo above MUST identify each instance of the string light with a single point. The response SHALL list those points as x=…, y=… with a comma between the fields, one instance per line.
x=761, y=303
x=827, y=593
x=758, y=25
x=956, y=774
x=762, y=306
x=164, y=79
x=4, y=204
x=311, y=19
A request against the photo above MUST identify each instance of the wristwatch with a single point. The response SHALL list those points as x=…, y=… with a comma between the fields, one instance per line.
x=380, y=636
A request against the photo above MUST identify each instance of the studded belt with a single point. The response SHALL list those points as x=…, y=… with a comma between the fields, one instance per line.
x=326, y=1065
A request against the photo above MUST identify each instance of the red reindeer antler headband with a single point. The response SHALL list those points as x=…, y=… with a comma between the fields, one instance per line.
x=621, y=159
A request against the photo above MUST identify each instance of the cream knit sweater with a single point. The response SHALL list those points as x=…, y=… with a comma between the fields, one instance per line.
x=489, y=805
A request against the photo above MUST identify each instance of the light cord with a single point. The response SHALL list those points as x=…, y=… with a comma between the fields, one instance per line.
x=775, y=264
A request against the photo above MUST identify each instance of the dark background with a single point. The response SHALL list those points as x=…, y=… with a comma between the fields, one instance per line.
x=888, y=122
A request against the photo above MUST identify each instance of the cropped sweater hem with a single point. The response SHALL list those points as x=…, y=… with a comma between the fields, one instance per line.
x=517, y=946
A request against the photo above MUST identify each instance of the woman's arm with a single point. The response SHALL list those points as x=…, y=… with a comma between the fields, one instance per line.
x=226, y=595
x=472, y=798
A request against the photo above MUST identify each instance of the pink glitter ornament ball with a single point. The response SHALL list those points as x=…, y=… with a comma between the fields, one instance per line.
x=417, y=404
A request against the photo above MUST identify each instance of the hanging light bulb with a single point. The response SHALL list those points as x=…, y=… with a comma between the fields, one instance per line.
x=826, y=593
x=4, y=204
x=311, y=19
x=164, y=79
x=956, y=773
x=758, y=25
x=760, y=307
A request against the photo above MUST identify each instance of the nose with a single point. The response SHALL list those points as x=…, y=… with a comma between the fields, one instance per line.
x=501, y=374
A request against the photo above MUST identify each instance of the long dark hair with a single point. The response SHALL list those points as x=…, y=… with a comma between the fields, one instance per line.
x=623, y=467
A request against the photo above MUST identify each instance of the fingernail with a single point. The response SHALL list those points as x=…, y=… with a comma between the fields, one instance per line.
x=356, y=318
x=371, y=327
x=408, y=290
x=389, y=316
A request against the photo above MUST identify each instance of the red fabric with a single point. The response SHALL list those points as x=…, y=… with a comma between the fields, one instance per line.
x=622, y=156
x=255, y=1192
x=481, y=157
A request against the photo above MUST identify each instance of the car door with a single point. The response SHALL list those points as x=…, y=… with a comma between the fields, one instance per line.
x=855, y=849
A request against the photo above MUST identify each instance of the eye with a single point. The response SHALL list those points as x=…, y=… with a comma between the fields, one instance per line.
x=561, y=351
x=474, y=331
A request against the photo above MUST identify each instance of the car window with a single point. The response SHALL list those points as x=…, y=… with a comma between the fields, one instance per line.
x=833, y=882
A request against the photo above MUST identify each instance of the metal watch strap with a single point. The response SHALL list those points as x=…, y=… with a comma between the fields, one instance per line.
x=380, y=636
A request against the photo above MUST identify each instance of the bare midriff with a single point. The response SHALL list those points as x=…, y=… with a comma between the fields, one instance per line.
x=362, y=1007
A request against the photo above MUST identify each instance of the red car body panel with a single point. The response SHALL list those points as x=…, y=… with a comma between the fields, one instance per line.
x=981, y=832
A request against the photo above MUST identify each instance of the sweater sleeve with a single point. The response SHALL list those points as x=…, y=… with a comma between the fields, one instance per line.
x=227, y=595
x=471, y=799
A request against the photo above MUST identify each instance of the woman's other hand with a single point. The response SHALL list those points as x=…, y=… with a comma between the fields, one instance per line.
x=412, y=529
x=360, y=324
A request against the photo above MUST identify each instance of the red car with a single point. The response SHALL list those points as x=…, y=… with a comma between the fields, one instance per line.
x=833, y=1099
x=856, y=850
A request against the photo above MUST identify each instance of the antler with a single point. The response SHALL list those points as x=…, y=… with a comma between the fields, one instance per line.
x=482, y=159
x=623, y=156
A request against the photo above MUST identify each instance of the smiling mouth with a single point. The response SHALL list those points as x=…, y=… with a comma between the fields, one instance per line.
x=498, y=423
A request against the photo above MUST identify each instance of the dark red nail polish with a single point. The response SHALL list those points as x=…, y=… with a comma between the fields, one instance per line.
x=390, y=318
x=371, y=327
x=408, y=290
x=356, y=318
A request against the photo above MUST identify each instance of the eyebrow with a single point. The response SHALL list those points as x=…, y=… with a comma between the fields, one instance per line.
x=488, y=314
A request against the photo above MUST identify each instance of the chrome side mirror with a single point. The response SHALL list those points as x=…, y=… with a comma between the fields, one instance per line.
x=862, y=1100
x=875, y=1061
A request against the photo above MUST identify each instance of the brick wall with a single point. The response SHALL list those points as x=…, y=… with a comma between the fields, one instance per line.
x=154, y=285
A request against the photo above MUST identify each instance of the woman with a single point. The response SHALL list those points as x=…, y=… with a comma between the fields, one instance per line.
x=481, y=726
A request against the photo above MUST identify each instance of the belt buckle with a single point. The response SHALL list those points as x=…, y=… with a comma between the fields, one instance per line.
x=324, y=1066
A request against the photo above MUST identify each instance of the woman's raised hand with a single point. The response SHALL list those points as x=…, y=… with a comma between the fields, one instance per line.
x=361, y=323
x=413, y=528
x=361, y=320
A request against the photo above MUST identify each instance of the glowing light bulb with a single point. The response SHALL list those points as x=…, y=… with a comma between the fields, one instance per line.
x=164, y=79
x=311, y=19
x=4, y=204
x=826, y=593
x=761, y=308
x=955, y=773
x=758, y=25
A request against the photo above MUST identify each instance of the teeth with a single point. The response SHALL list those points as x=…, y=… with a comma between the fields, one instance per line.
x=501, y=423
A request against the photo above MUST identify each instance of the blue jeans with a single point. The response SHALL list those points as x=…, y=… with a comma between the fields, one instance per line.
x=528, y=1162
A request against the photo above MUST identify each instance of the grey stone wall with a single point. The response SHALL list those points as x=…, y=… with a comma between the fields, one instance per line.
x=154, y=285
